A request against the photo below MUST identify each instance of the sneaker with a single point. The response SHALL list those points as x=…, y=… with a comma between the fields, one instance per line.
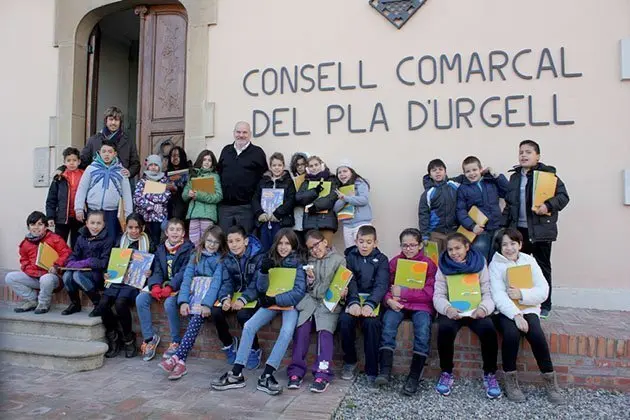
x=230, y=351
x=229, y=381
x=253, y=361
x=178, y=371
x=295, y=382
x=167, y=365
x=349, y=371
x=148, y=349
x=267, y=383
x=491, y=385
x=27, y=305
x=319, y=385
x=171, y=350
x=544, y=313
x=445, y=384
x=41, y=309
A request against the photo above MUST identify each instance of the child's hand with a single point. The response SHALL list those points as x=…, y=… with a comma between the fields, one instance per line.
x=344, y=293
x=192, y=194
x=452, y=313
x=354, y=310
x=156, y=292
x=395, y=305
x=205, y=311
x=521, y=324
x=367, y=311
x=51, y=224
x=477, y=230
x=53, y=270
x=171, y=187
x=515, y=293
x=125, y=172
x=263, y=218
x=479, y=313
x=396, y=291
x=166, y=291
x=79, y=216
x=147, y=273
x=237, y=305
x=340, y=195
x=227, y=304
x=106, y=276
x=542, y=210
x=184, y=310
x=273, y=218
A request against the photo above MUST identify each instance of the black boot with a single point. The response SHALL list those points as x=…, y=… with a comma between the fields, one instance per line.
x=387, y=359
x=95, y=297
x=75, y=304
x=113, y=344
x=417, y=365
x=131, y=349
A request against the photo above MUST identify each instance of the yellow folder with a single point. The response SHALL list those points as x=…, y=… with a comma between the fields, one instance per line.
x=520, y=277
x=544, y=188
x=152, y=187
x=478, y=217
x=298, y=181
x=46, y=256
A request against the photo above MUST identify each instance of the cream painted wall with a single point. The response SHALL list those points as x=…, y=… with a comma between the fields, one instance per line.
x=590, y=155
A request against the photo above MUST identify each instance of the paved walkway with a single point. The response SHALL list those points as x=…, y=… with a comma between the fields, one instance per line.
x=133, y=389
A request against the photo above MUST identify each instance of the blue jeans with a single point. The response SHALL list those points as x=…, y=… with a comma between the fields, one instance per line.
x=143, y=305
x=267, y=234
x=483, y=244
x=262, y=317
x=74, y=281
x=113, y=225
x=421, y=330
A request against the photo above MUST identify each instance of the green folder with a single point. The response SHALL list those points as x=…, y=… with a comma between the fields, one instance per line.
x=432, y=251
x=326, y=185
x=464, y=292
x=337, y=285
x=281, y=280
x=248, y=305
x=118, y=262
x=362, y=297
x=411, y=274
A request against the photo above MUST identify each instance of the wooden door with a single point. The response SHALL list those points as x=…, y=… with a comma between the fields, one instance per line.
x=92, y=122
x=161, y=78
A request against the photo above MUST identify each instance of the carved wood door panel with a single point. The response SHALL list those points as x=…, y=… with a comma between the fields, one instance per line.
x=161, y=79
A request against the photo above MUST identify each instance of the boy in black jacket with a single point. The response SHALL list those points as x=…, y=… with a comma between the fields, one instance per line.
x=370, y=280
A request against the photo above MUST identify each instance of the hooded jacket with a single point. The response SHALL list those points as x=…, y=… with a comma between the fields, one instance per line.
x=204, y=206
x=370, y=274
x=320, y=215
x=152, y=207
x=102, y=186
x=209, y=265
x=240, y=272
x=361, y=203
x=127, y=152
x=438, y=206
x=284, y=213
x=499, y=284
x=414, y=299
x=484, y=194
x=160, y=266
x=539, y=228
x=28, y=253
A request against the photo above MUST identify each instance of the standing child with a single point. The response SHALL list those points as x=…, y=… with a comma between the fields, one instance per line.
x=270, y=223
x=31, y=277
x=481, y=188
x=539, y=227
x=516, y=321
x=360, y=200
x=177, y=160
x=171, y=258
x=152, y=206
x=205, y=262
x=240, y=266
x=403, y=302
x=202, y=209
x=323, y=263
x=123, y=296
x=283, y=254
x=60, y=200
x=102, y=186
x=370, y=277
x=318, y=211
x=298, y=172
x=438, y=204
x=91, y=252
x=461, y=258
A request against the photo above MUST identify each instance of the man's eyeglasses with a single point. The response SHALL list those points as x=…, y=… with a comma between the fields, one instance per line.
x=409, y=246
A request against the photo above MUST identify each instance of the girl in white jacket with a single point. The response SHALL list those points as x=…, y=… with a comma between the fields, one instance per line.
x=519, y=311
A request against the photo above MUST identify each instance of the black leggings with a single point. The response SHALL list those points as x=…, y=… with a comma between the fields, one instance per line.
x=123, y=313
x=512, y=338
x=223, y=329
x=484, y=329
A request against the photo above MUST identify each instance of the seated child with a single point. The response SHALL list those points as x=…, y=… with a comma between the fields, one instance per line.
x=152, y=206
x=31, y=277
x=460, y=258
x=89, y=260
x=403, y=302
x=123, y=296
x=102, y=186
x=370, y=269
x=514, y=321
x=323, y=264
x=283, y=253
x=171, y=258
x=205, y=262
x=60, y=200
x=438, y=204
x=240, y=266
x=360, y=200
x=481, y=188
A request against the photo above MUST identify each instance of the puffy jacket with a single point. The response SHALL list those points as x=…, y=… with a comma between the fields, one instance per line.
x=540, y=228
x=361, y=203
x=314, y=219
x=289, y=298
x=438, y=206
x=485, y=195
x=160, y=266
x=370, y=274
x=209, y=265
x=440, y=292
x=204, y=206
x=499, y=285
x=414, y=299
x=60, y=200
x=28, y=253
x=284, y=213
x=91, y=251
x=239, y=273
x=127, y=152
x=152, y=207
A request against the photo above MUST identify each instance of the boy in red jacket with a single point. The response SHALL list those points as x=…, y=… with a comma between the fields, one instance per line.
x=25, y=282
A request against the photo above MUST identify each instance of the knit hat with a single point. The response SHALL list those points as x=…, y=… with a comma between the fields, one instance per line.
x=153, y=159
x=345, y=163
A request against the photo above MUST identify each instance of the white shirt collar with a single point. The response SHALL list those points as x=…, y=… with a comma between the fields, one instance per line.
x=239, y=151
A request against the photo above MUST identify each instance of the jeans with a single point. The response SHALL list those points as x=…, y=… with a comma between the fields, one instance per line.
x=143, y=306
x=267, y=234
x=483, y=244
x=123, y=314
x=192, y=331
x=541, y=251
x=483, y=328
x=69, y=230
x=421, y=330
x=24, y=286
x=236, y=215
x=74, y=281
x=196, y=229
x=112, y=224
x=371, y=338
x=512, y=338
x=261, y=318
x=223, y=329
x=322, y=367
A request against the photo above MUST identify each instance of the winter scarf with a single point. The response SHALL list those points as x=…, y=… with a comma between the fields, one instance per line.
x=35, y=238
x=325, y=174
x=143, y=242
x=151, y=175
x=172, y=248
x=473, y=264
x=104, y=173
x=115, y=136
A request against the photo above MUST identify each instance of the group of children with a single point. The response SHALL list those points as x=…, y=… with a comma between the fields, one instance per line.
x=85, y=206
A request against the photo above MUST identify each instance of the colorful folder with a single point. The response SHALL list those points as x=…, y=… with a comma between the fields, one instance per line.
x=248, y=305
x=363, y=297
x=139, y=264
x=198, y=289
x=478, y=217
x=203, y=185
x=339, y=282
x=520, y=277
x=281, y=280
x=152, y=187
x=544, y=188
x=46, y=256
x=410, y=274
x=347, y=212
x=271, y=199
x=119, y=260
x=432, y=251
x=464, y=292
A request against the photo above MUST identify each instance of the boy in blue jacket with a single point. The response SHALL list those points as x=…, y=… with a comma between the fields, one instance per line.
x=370, y=281
x=481, y=188
x=171, y=259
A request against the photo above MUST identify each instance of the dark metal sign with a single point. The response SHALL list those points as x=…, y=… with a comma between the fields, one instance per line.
x=397, y=12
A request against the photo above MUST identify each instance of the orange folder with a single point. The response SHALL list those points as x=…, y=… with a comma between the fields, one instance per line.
x=478, y=217
x=544, y=188
x=203, y=184
x=520, y=277
x=46, y=256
